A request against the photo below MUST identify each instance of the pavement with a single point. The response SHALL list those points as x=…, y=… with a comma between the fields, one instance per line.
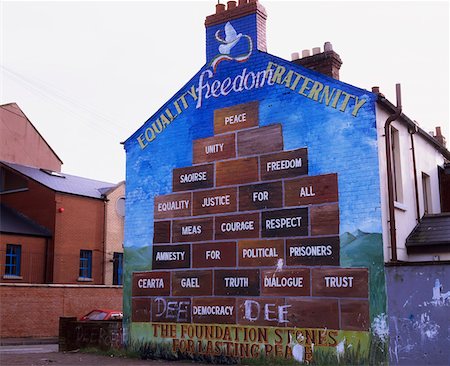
x=27, y=341
x=44, y=352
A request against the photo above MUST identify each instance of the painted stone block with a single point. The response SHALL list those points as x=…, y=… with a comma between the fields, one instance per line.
x=257, y=253
x=193, y=177
x=260, y=140
x=355, y=315
x=325, y=220
x=236, y=117
x=288, y=222
x=340, y=282
x=238, y=282
x=313, y=313
x=237, y=226
x=286, y=164
x=288, y=282
x=161, y=232
x=206, y=255
x=171, y=256
x=141, y=309
x=173, y=205
x=260, y=196
x=239, y=171
x=311, y=190
x=192, y=283
x=210, y=310
x=215, y=201
x=192, y=230
x=171, y=309
x=214, y=148
x=155, y=283
x=262, y=311
x=313, y=251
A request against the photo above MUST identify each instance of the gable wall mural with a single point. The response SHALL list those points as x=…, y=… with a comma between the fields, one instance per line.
x=253, y=219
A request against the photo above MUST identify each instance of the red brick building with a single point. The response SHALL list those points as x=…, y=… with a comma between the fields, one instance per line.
x=72, y=209
x=53, y=224
x=17, y=131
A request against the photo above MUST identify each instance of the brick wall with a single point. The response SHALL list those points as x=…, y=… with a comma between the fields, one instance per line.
x=34, y=310
x=80, y=226
x=38, y=203
x=114, y=231
x=32, y=264
x=16, y=131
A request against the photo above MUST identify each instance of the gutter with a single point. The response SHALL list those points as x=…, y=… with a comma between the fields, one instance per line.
x=389, y=107
x=390, y=183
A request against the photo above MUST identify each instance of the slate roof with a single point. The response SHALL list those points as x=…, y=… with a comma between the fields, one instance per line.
x=431, y=234
x=13, y=222
x=63, y=182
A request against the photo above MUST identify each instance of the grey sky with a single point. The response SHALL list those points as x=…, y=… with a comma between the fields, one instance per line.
x=88, y=74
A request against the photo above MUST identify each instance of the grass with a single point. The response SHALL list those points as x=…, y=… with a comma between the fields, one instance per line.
x=113, y=352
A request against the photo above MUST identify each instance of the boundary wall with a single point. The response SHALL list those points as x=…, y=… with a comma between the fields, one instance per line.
x=28, y=310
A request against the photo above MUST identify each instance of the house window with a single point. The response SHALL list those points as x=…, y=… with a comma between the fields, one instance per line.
x=426, y=192
x=120, y=206
x=396, y=165
x=86, y=264
x=118, y=269
x=13, y=258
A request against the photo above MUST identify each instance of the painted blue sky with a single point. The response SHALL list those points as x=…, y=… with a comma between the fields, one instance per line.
x=337, y=142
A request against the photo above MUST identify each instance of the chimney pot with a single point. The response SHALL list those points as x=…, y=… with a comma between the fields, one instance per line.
x=376, y=89
x=242, y=2
x=295, y=56
x=439, y=137
x=327, y=47
x=327, y=63
x=231, y=5
x=220, y=8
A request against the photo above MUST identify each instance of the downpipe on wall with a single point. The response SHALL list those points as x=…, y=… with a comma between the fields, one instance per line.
x=390, y=183
x=412, y=131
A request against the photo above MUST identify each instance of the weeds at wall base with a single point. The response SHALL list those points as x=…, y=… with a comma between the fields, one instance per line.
x=376, y=355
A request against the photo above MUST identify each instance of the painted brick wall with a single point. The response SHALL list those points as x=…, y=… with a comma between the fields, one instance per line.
x=34, y=310
x=333, y=125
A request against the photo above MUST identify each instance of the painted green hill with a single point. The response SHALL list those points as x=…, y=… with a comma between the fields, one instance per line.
x=361, y=249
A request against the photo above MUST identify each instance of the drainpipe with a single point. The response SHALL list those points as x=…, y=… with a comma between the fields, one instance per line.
x=412, y=130
x=390, y=183
x=104, y=239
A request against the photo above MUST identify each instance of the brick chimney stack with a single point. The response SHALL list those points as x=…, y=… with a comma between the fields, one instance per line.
x=254, y=24
x=327, y=62
x=440, y=137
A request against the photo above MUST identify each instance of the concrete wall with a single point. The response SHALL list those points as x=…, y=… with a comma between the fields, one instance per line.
x=74, y=334
x=427, y=161
x=16, y=131
x=419, y=314
x=34, y=310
